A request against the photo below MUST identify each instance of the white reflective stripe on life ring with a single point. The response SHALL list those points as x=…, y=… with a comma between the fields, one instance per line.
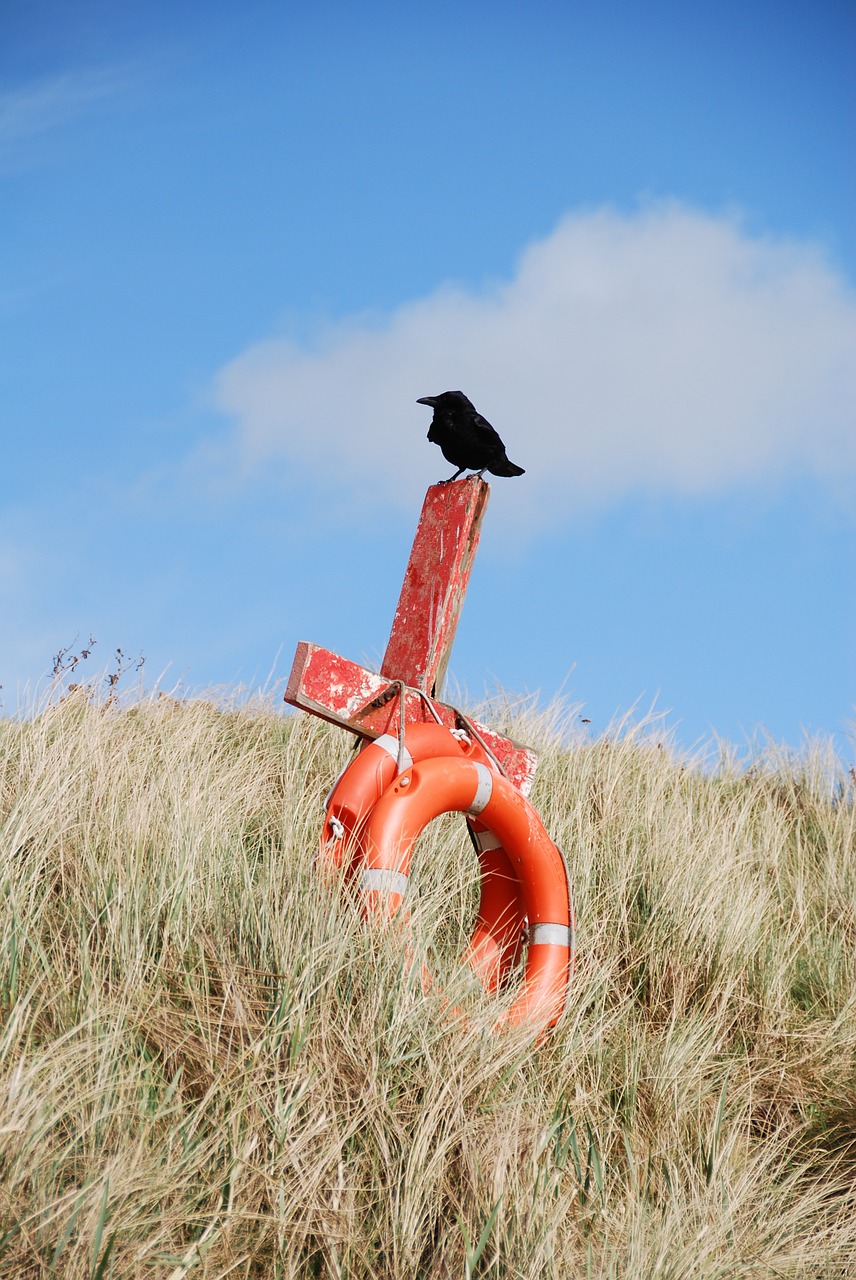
x=391, y=746
x=484, y=790
x=554, y=935
x=383, y=879
x=485, y=840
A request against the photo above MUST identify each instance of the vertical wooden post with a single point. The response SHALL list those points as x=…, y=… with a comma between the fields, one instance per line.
x=435, y=584
x=432, y=595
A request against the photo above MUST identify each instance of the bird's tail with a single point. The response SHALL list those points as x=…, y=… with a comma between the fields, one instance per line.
x=507, y=468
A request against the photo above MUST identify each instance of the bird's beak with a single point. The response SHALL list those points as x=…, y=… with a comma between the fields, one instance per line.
x=432, y=400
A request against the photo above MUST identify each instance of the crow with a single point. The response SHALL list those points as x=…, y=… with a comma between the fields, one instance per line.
x=466, y=439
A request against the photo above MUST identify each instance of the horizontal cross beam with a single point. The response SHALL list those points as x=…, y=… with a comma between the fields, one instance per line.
x=369, y=704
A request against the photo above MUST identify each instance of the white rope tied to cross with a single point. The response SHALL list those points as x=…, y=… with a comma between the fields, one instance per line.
x=463, y=734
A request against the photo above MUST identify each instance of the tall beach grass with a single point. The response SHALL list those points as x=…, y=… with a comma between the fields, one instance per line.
x=210, y=1067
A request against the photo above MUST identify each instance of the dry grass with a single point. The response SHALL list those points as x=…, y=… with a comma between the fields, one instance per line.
x=209, y=1068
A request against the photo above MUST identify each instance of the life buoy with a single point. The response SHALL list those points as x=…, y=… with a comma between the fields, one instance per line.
x=498, y=932
x=447, y=784
x=497, y=937
x=361, y=783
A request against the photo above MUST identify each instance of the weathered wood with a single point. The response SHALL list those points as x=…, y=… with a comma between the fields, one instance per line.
x=368, y=704
x=432, y=594
x=435, y=583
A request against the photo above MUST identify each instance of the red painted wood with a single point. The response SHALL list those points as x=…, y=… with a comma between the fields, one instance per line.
x=363, y=702
x=435, y=583
x=432, y=595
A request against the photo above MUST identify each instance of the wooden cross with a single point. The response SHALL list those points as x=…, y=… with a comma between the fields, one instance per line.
x=423, y=629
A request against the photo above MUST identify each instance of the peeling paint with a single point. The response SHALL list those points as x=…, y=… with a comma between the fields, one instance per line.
x=435, y=583
x=346, y=701
x=423, y=629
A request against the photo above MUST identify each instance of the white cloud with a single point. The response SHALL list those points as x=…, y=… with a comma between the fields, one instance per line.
x=42, y=106
x=668, y=351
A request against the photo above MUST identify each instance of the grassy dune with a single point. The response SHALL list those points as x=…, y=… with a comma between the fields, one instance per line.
x=209, y=1067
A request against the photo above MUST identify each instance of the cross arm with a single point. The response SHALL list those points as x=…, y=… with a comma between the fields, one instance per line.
x=368, y=704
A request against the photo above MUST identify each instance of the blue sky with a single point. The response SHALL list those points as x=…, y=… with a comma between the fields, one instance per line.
x=239, y=241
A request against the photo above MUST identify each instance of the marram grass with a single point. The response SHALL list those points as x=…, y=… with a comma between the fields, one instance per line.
x=209, y=1067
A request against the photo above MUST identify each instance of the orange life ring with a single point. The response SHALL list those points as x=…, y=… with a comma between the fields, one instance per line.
x=363, y=781
x=497, y=938
x=455, y=783
x=500, y=923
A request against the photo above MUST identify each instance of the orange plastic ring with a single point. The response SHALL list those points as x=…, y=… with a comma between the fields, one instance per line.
x=456, y=783
x=363, y=781
x=498, y=933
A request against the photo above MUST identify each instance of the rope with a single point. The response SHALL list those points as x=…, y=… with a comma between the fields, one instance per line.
x=465, y=728
x=338, y=832
x=480, y=740
x=424, y=696
x=402, y=689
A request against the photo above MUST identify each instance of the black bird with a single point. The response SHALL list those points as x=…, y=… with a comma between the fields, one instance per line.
x=466, y=439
